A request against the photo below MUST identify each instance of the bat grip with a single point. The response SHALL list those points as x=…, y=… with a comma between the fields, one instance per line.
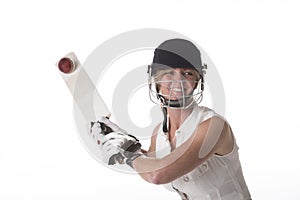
x=105, y=129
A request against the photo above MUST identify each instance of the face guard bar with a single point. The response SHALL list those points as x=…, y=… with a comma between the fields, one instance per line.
x=176, y=97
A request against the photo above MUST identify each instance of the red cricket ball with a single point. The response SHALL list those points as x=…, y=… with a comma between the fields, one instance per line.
x=66, y=65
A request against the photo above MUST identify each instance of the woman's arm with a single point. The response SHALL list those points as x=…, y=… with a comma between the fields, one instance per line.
x=212, y=136
x=152, y=148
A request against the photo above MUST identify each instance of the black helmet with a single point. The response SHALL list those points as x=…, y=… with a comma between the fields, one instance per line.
x=176, y=53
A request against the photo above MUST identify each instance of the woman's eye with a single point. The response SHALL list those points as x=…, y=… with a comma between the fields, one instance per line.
x=169, y=73
x=188, y=74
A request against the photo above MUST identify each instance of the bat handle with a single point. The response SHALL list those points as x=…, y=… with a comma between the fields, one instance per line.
x=105, y=129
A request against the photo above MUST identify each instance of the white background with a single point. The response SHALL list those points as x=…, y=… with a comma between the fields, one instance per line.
x=254, y=45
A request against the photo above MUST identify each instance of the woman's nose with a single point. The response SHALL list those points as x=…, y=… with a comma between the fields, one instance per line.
x=178, y=81
x=176, y=78
x=177, y=75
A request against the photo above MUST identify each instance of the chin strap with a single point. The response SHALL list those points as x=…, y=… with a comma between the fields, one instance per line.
x=165, y=113
x=170, y=103
x=165, y=125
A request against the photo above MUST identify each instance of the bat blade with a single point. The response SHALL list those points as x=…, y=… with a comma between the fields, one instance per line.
x=83, y=90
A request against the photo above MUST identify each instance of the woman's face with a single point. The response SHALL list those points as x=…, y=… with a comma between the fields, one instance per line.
x=177, y=83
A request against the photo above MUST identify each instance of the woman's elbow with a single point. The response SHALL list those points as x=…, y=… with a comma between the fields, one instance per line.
x=154, y=179
x=159, y=178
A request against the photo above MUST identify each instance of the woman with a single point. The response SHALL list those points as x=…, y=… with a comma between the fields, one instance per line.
x=193, y=151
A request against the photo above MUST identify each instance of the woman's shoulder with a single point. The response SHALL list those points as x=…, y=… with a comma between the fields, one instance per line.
x=208, y=113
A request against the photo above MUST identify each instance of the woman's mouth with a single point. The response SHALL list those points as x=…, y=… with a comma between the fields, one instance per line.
x=176, y=92
x=176, y=89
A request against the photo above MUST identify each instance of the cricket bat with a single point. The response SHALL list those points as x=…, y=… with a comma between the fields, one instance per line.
x=82, y=88
x=87, y=98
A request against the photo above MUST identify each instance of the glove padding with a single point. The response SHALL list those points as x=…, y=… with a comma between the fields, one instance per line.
x=119, y=149
x=115, y=143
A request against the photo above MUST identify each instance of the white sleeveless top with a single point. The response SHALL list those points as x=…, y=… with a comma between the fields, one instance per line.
x=218, y=178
